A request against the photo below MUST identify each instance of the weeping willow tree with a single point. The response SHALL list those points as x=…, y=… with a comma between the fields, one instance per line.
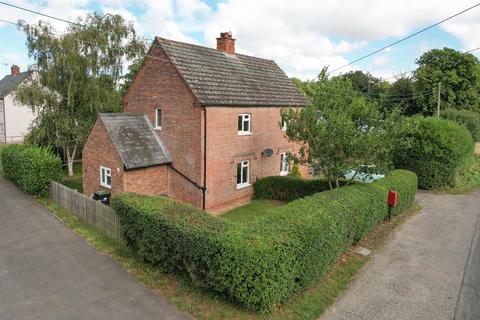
x=78, y=75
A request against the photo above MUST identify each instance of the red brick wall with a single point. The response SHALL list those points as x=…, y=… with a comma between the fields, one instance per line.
x=159, y=85
x=99, y=151
x=225, y=148
x=148, y=181
x=182, y=189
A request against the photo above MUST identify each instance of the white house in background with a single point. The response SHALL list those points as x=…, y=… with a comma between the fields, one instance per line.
x=15, y=119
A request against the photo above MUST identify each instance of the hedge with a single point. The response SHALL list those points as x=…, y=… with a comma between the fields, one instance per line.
x=265, y=262
x=436, y=150
x=288, y=188
x=468, y=118
x=31, y=168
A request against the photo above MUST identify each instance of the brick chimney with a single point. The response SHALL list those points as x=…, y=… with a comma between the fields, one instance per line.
x=15, y=70
x=226, y=42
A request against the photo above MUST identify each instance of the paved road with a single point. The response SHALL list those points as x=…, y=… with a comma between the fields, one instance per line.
x=420, y=272
x=49, y=272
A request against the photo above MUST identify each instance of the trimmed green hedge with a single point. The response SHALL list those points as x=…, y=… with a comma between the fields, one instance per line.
x=265, y=262
x=436, y=150
x=288, y=188
x=468, y=118
x=31, y=168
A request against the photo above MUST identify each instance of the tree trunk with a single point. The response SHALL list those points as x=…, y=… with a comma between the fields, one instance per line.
x=70, y=157
x=337, y=183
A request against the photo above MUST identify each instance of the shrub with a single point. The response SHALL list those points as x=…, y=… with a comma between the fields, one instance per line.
x=265, y=262
x=468, y=118
x=436, y=150
x=288, y=188
x=31, y=168
x=295, y=173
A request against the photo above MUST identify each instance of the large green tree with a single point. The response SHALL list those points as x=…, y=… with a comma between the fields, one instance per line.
x=79, y=73
x=340, y=129
x=401, y=94
x=459, y=75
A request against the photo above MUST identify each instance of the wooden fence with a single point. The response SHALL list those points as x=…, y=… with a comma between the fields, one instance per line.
x=103, y=218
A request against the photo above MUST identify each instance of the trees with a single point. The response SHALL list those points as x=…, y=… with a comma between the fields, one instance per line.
x=401, y=95
x=339, y=132
x=459, y=74
x=78, y=76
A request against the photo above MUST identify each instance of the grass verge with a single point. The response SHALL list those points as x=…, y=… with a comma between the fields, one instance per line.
x=251, y=211
x=467, y=181
x=207, y=305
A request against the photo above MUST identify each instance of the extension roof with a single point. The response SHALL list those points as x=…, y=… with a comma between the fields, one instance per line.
x=217, y=78
x=10, y=83
x=136, y=142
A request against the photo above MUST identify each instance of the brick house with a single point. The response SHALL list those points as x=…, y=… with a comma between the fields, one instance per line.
x=218, y=115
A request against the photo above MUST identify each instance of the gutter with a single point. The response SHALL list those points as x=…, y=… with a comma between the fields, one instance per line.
x=204, y=189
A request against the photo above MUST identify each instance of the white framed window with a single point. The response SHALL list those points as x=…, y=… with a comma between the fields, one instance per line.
x=158, y=119
x=243, y=172
x=284, y=164
x=284, y=123
x=244, y=124
x=106, y=177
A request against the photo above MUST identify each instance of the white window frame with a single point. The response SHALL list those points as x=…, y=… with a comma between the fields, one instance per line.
x=284, y=123
x=245, y=118
x=158, y=127
x=104, y=178
x=284, y=164
x=243, y=183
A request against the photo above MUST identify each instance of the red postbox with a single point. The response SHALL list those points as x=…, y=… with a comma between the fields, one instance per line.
x=392, y=198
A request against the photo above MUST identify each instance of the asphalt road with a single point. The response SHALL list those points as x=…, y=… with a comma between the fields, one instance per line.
x=49, y=272
x=430, y=269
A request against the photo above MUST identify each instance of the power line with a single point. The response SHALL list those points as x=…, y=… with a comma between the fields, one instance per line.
x=39, y=13
x=10, y=22
x=406, y=38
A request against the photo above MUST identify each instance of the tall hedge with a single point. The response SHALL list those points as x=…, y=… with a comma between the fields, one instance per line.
x=437, y=150
x=265, y=262
x=288, y=188
x=468, y=118
x=31, y=168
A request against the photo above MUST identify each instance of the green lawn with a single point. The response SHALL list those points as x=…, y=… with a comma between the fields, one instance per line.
x=251, y=211
x=75, y=182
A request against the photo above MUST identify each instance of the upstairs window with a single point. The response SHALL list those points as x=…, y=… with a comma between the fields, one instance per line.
x=106, y=177
x=158, y=119
x=243, y=174
x=284, y=164
x=284, y=123
x=244, y=124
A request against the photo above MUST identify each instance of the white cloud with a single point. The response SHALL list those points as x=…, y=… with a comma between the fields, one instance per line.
x=305, y=35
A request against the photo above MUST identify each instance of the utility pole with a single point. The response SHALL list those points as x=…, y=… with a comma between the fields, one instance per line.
x=439, y=99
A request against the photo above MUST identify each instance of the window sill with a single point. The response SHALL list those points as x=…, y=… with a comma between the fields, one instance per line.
x=157, y=128
x=284, y=129
x=243, y=186
x=106, y=186
x=245, y=133
x=284, y=173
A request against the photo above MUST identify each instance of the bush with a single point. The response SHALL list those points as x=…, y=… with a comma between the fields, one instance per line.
x=436, y=150
x=288, y=188
x=265, y=262
x=31, y=168
x=468, y=118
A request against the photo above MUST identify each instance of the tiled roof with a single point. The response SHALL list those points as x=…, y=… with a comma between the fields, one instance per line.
x=136, y=142
x=220, y=79
x=10, y=83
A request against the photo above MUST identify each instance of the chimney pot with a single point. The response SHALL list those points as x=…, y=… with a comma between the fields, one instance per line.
x=226, y=42
x=15, y=70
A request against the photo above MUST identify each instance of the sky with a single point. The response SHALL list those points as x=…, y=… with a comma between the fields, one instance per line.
x=302, y=36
